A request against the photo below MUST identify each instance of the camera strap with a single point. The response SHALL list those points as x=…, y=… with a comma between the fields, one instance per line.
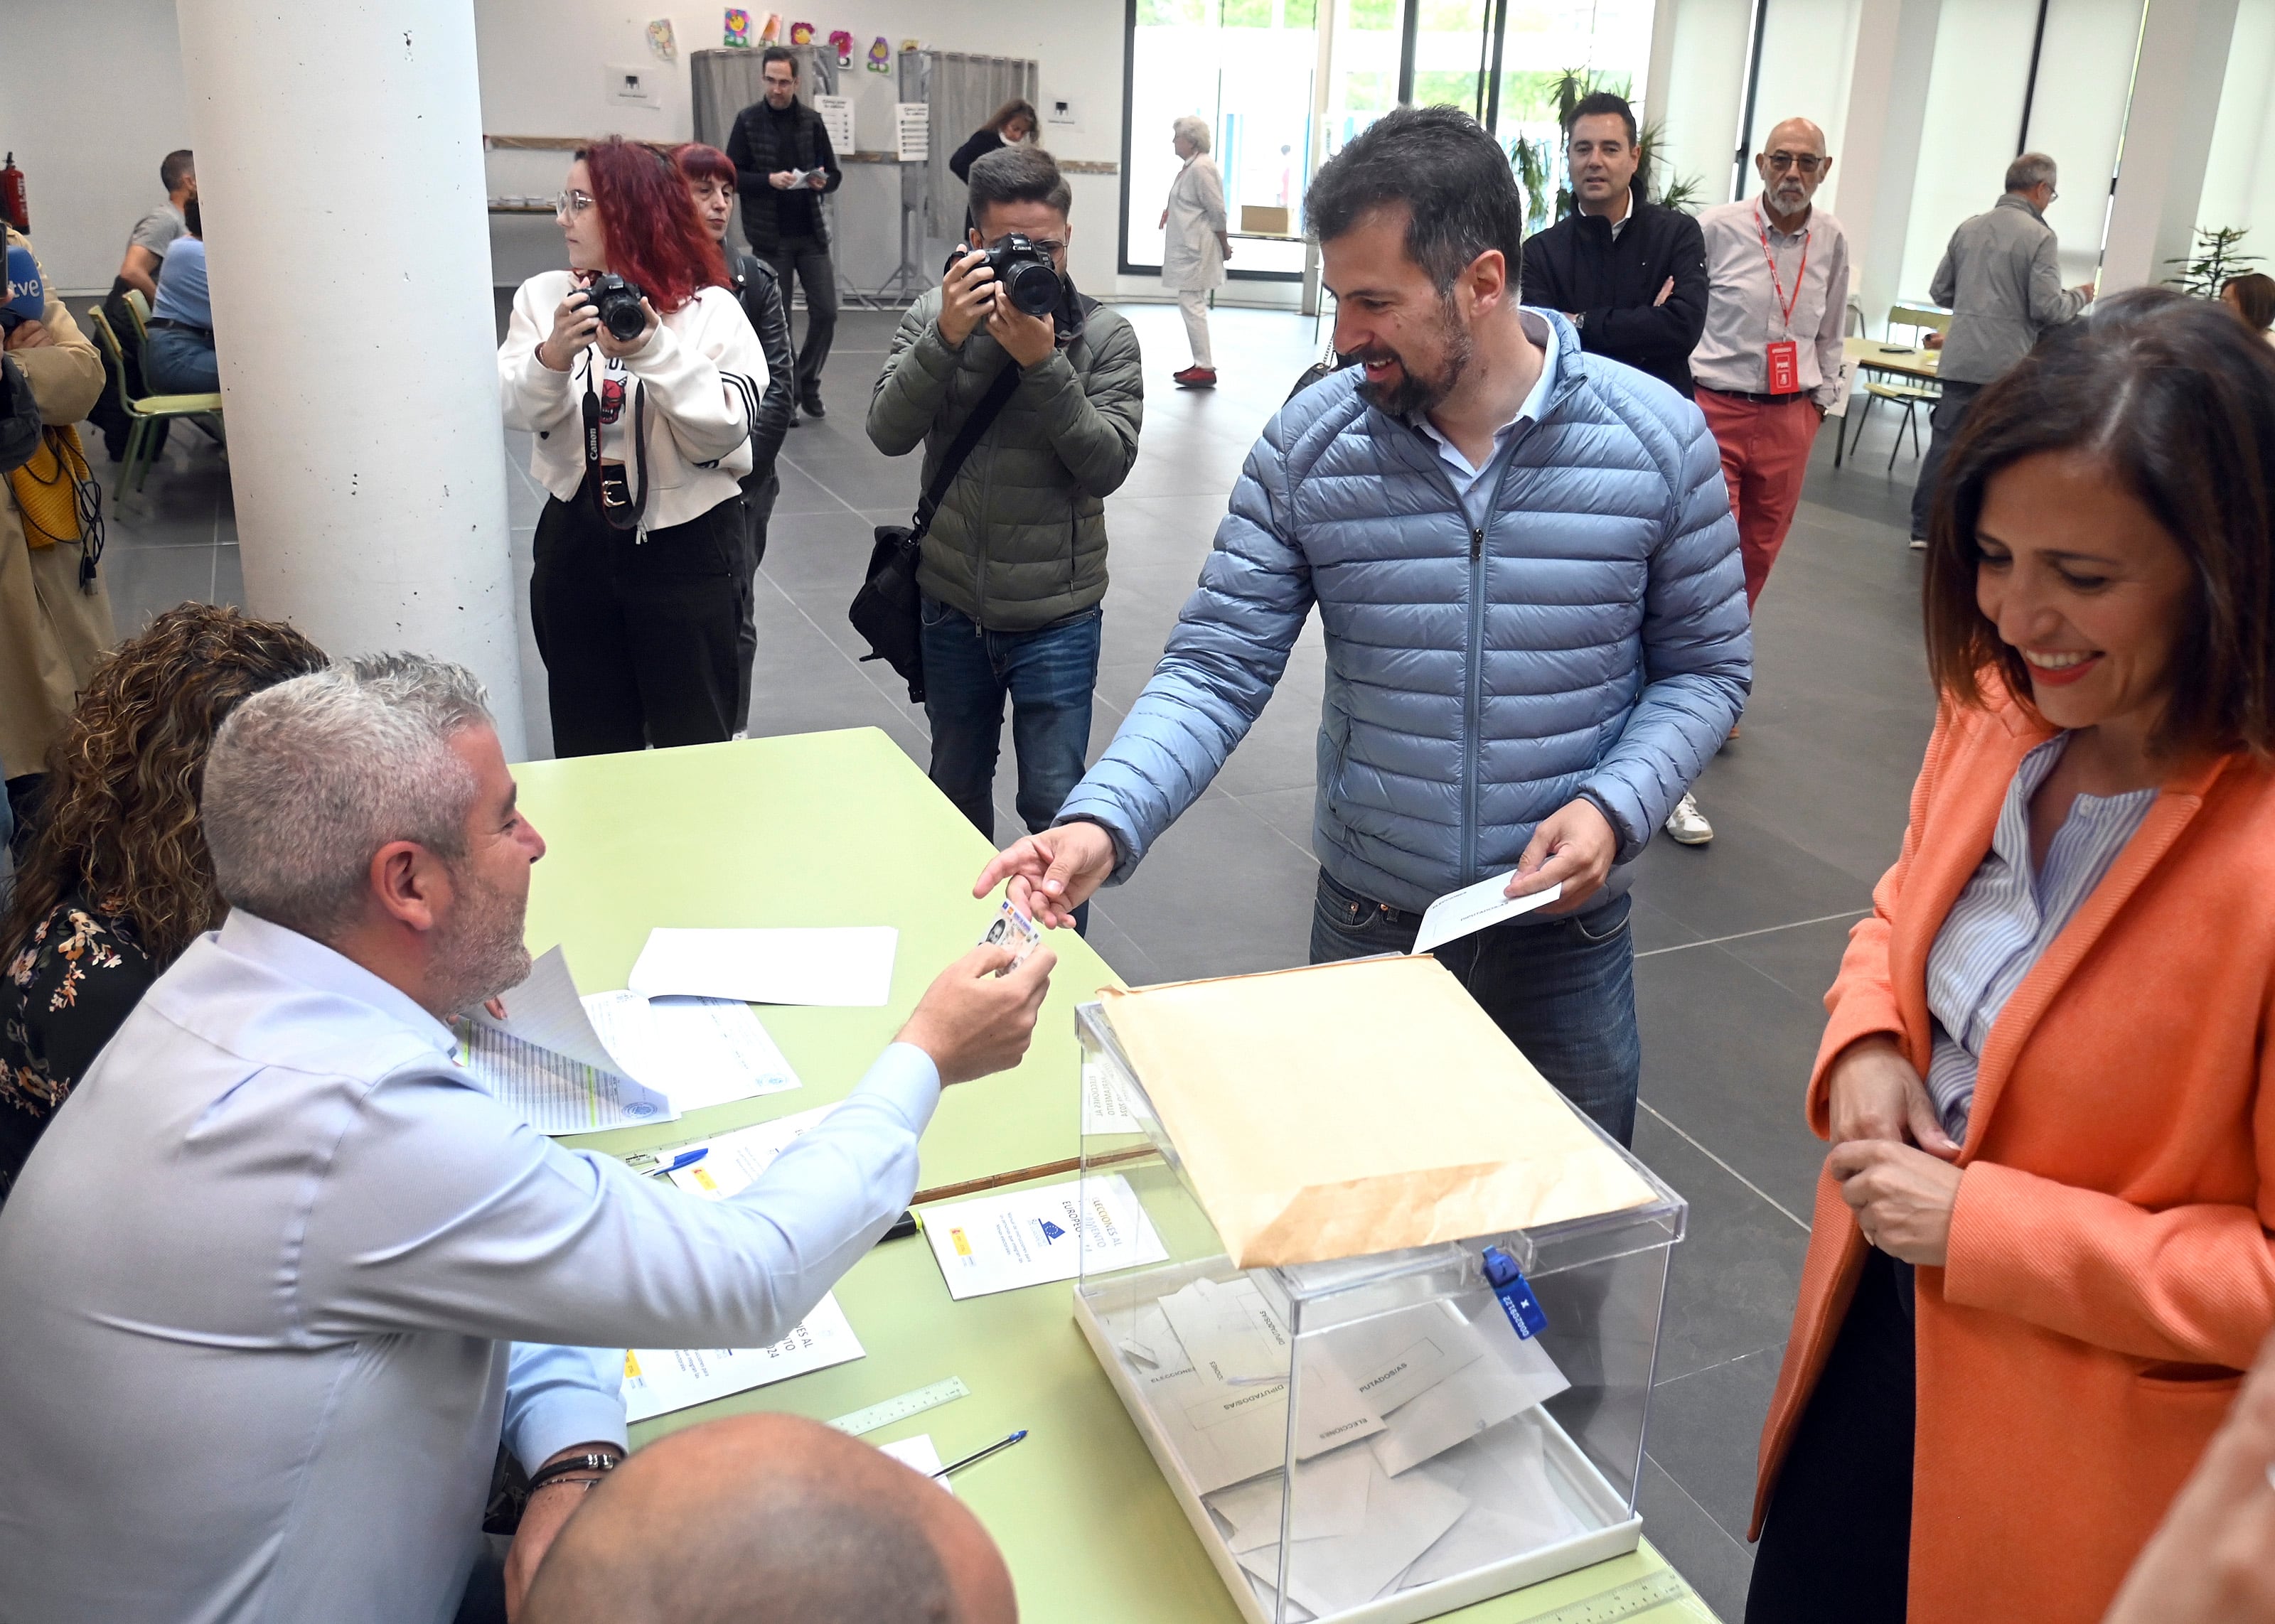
x=967, y=439
x=616, y=516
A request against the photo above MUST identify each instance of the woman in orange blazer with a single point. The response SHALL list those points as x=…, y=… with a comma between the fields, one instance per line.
x=2041, y=1257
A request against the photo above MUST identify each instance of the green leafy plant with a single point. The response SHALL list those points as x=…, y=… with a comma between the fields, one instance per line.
x=2214, y=261
x=1532, y=162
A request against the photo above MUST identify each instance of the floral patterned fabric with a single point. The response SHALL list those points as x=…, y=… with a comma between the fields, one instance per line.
x=62, y=995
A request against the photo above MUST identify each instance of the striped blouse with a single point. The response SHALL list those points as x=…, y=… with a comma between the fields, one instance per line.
x=2006, y=917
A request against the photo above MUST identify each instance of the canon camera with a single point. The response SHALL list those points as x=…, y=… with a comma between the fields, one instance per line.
x=617, y=303
x=1024, y=270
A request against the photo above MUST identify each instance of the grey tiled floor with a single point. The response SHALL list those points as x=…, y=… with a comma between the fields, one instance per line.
x=1736, y=942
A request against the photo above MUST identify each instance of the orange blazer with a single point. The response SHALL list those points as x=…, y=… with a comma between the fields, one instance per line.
x=2110, y=1271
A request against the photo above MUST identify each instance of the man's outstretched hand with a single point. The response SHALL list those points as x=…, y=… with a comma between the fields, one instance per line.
x=1053, y=872
x=974, y=1020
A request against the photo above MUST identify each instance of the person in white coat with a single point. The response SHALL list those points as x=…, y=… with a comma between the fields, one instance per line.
x=1196, y=244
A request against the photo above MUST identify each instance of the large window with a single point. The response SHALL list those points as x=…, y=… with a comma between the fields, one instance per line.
x=1249, y=68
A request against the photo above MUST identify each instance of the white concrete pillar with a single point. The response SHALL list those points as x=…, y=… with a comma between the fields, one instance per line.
x=1876, y=151
x=2160, y=168
x=340, y=173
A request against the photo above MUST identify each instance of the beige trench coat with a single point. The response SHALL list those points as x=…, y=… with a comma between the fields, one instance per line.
x=52, y=631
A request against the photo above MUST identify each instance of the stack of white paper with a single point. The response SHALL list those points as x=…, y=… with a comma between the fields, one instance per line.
x=611, y=1060
x=1027, y=1237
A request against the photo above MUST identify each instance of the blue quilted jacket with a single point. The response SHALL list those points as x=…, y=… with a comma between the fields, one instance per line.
x=1590, y=641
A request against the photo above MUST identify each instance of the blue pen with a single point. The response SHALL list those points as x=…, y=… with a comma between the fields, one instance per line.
x=981, y=1454
x=685, y=1158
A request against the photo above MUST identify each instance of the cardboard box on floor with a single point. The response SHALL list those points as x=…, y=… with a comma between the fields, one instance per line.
x=1358, y=1107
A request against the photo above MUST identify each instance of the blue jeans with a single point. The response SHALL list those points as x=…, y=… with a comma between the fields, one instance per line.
x=1563, y=992
x=182, y=362
x=1048, y=676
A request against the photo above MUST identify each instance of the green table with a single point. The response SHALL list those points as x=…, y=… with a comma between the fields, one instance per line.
x=842, y=828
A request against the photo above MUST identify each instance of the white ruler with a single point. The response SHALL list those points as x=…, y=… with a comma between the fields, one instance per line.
x=887, y=1412
x=1662, y=1588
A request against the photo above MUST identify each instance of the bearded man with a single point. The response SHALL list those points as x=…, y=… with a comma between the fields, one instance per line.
x=1535, y=621
x=281, y=1278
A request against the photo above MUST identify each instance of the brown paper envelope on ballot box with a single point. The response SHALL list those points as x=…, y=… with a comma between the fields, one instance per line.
x=1358, y=1107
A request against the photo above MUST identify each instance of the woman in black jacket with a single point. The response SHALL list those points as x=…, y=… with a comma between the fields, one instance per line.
x=1015, y=121
x=711, y=177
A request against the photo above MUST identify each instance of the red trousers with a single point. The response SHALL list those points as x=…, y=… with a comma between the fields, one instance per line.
x=1764, y=458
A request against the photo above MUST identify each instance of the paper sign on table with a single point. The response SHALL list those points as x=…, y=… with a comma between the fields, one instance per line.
x=1472, y=908
x=1028, y=1237
x=1359, y=1107
x=732, y=1160
x=837, y=966
x=658, y=1380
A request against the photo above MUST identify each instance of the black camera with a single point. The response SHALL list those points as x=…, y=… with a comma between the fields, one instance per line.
x=617, y=303
x=1024, y=270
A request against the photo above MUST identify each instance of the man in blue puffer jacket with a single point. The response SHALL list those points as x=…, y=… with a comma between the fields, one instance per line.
x=1535, y=615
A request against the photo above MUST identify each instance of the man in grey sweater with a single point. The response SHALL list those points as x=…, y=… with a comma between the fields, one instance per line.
x=2001, y=278
x=1014, y=565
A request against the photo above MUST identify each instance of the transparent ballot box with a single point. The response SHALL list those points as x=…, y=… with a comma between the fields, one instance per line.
x=1379, y=1438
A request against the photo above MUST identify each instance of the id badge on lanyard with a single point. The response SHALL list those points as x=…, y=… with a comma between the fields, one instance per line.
x=1784, y=357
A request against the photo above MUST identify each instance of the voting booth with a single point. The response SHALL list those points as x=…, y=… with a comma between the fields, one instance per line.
x=1364, y=1431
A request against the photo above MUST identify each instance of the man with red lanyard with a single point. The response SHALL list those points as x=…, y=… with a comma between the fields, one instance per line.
x=1768, y=365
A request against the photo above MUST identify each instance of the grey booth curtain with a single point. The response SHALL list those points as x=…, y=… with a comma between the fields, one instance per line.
x=725, y=81
x=964, y=92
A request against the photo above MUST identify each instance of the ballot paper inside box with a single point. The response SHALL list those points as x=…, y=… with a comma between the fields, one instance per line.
x=1368, y=1437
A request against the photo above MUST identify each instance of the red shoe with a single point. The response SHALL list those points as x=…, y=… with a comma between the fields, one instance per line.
x=1196, y=378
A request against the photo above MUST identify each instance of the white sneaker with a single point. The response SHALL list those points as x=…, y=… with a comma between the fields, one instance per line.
x=1686, y=825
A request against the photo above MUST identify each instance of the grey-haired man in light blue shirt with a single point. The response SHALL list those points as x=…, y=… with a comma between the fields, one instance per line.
x=280, y=1277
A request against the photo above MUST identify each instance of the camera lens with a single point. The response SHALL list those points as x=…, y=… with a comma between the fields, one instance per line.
x=1033, y=288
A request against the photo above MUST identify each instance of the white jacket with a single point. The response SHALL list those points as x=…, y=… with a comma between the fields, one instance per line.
x=701, y=372
x=1192, y=256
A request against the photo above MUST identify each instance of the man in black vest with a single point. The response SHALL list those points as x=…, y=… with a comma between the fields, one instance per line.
x=1630, y=275
x=783, y=166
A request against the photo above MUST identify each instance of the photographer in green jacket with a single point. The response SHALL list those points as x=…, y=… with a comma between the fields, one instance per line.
x=1014, y=567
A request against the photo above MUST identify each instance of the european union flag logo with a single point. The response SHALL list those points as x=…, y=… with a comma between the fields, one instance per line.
x=1051, y=1231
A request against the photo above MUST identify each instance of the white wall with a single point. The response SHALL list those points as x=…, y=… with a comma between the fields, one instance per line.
x=542, y=65
x=1807, y=47
x=1706, y=90
x=2085, y=75
x=2239, y=181
x=1967, y=138
x=90, y=102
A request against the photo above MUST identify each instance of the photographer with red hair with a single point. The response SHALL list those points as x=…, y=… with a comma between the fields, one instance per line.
x=639, y=378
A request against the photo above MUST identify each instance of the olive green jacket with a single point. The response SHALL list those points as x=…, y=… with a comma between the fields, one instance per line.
x=1019, y=542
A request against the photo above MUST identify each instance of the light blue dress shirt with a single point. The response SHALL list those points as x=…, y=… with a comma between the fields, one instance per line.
x=2008, y=916
x=1475, y=489
x=259, y=1283
x=182, y=291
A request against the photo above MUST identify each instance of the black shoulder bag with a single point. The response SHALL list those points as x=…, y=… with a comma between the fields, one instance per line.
x=888, y=609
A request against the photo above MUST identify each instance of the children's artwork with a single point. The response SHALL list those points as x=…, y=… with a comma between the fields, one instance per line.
x=880, y=56
x=770, y=30
x=801, y=34
x=842, y=41
x=911, y=44
x=662, y=40
x=738, y=28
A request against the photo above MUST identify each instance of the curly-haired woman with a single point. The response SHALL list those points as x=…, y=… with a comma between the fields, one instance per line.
x=117, y=882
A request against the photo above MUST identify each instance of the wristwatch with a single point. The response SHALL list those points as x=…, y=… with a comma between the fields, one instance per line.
x=591, y=1461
